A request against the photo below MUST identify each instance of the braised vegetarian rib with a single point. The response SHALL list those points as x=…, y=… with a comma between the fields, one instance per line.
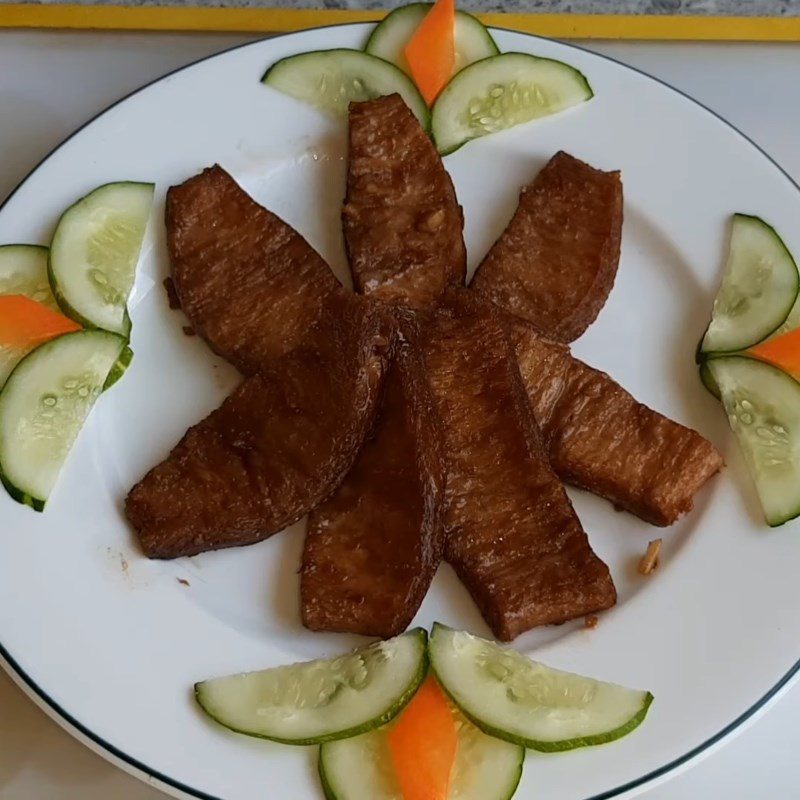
x=511, y=532
x=555, y=263
x=372, y=548
x=278, y=446
x=402, y=222
x=600, y=438
x=250, y=285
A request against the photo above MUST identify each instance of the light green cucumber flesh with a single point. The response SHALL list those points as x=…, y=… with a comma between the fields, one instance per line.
x=323, y=700
x=486, y=768
x=473, y=42
x=9, y=358
x=94, y=253
x=501, y=92
x=23, y=270
x=331, y=79
x=763, y=407
x=791, y=322
x=758, y=291
x=526, y=703
x=44, y=405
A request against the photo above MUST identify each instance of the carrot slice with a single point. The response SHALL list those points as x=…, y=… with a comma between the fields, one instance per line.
x=423, y=745
x=431, y=51
x=25, y=323
x=783, y=352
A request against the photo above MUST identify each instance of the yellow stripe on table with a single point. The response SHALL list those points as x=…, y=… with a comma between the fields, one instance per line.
x=265, y=20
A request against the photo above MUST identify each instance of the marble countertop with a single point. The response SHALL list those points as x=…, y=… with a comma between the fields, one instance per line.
x=754, y=8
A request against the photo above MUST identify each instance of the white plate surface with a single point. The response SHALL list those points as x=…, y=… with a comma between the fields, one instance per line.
x=113, y=642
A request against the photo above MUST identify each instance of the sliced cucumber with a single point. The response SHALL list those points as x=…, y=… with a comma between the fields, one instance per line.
x=708, y=379
x=94, y=253
x=391, y=35
x=791, y=322
x=501, y=92
x=332, y=79
x=320, y=701
x=44, y=404
x=759, y=288
x=361, y=768
x=23, y=270
x=486, y=768
x=9, y=358
x=763, y=408
x=524, y=702
x=119, y=369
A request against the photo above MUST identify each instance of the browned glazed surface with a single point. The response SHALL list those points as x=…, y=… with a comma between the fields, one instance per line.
x=251, y=286
x=372, y=549
x=555, y=263
x=402, y=223
x=512, y=534
x=601, y=439
x=278, y=446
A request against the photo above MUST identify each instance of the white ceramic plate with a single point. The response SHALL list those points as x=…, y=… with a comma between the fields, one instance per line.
x=111, y=643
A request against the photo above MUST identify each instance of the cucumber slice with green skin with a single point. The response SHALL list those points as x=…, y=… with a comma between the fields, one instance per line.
x=9, y=358
x=526, y=703
x=392, y=34
x=321, y=701
x=23, y=270
x=332, y=79
x=709, y=382
x=44, y=404
x=119, y=368
x=791, y=322
x=486, y=768
x=758, y=291
x=94, y=253
x=500, y=92
x=763, y=407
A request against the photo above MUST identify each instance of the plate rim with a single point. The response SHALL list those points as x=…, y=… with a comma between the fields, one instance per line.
x=138, y=769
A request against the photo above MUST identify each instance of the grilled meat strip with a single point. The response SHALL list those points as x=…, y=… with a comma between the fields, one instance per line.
x=555, y=263
x=600, y=438
x=402, y=222
x=250, y=285
x=511, y=532
x=373, y=548
x=277, y=447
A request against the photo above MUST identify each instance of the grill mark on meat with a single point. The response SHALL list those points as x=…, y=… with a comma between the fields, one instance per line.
x=555, y=263
x=372, y=549
x=401, y=220
x=511, y=532
x=250, y=285
x=601, y=439
x=278, y=446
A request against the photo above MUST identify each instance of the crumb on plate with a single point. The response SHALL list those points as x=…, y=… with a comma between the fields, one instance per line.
x=650, y=559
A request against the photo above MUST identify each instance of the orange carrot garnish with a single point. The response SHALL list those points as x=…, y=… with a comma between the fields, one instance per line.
x=431, y=51
x=24, y=323
x=423, y=745
x=782, y=352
